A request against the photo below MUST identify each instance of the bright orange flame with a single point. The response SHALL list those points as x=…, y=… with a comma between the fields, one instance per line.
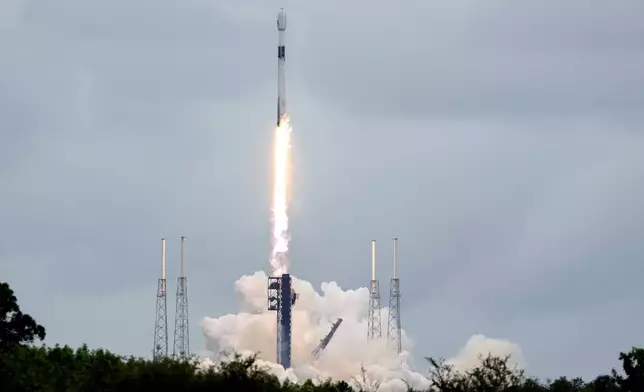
x=281, y=185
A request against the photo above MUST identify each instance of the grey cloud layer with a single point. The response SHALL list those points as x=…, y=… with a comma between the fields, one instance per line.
x=464, y=60
x=500, y=143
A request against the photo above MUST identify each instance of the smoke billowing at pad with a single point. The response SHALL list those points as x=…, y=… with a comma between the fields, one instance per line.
x=253, y=330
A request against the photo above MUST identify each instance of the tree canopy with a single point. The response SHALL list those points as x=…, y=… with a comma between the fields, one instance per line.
x=25, y=367
x=16, y=327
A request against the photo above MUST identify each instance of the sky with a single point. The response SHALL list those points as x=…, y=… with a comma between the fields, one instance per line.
x=502, y=142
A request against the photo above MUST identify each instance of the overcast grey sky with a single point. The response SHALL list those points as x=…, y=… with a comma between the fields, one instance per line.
x=503, y=142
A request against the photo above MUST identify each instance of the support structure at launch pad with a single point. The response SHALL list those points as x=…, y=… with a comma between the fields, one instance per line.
x=281, y=298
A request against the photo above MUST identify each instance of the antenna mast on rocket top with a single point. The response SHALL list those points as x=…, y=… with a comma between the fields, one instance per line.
x=181, y=348
x=160, y=349
x=373, y=322
x=394, y=324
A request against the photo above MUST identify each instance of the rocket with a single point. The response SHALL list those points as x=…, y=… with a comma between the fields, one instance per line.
x=281, y=65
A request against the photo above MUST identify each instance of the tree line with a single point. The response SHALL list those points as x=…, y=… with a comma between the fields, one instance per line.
x=24, y=366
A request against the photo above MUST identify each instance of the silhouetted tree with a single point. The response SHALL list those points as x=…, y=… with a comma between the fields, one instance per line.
x=633, y=367
x=604, y=383
x=492, y=374
x=563, y=384
x=15, y=326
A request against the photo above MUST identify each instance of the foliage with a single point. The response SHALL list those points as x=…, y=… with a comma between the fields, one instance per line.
x=494, y=374
x=24, y=367
x=15, y=326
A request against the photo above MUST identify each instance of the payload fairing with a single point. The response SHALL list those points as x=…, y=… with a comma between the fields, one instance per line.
x=281, y=66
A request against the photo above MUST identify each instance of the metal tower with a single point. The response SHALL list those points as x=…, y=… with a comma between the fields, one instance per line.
x=373, y=322
x=281, y=298
x=160, y=349
x=393, y=324
x=181, y=348
x=325, y=342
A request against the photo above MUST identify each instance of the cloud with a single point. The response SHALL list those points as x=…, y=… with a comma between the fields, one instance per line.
x=500, y=142
x=253, y=331
x=458, y=60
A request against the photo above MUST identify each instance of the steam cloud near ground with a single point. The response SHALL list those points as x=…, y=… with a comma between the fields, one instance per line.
x=252, y=330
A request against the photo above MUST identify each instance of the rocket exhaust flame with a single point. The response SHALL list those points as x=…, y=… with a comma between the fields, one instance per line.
x=281, y=184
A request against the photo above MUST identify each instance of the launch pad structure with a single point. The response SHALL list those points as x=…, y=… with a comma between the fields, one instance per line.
x=281, y=298
x=394, y=325
x=393, y=320
x=317, y=351
x=181, y=344
x=160, y=348
x=374, y=328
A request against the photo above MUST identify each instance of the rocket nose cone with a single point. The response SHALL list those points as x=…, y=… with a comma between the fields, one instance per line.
x=281, y=20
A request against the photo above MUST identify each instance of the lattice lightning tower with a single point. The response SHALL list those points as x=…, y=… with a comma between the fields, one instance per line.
x=373, y=322
x=394, y=324
x=181, y=348
x=160, y=349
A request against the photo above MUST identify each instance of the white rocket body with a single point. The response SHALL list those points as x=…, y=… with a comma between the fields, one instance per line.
x=281, y=66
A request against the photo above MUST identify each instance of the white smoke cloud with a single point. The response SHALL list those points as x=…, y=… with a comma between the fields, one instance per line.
x=479, y=345
x=252, y=330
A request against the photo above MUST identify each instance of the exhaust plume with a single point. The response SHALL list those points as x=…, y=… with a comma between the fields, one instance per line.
x=281, y=185
x=253, y=330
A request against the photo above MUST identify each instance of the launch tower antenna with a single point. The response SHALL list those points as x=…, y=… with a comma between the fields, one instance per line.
x=181, y=348
x=394, y=324
x=373, y=323
x=160, y=349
